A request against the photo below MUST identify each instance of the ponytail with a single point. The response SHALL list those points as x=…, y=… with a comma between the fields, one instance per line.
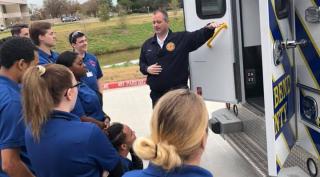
x=37, y=101
x=43, y=88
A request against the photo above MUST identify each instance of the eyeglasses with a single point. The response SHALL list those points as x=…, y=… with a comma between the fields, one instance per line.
x=75, y=85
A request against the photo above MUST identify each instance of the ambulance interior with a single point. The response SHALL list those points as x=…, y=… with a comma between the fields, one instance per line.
x=251, y=52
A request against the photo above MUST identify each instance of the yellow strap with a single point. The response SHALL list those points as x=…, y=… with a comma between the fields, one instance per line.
x=216, y=32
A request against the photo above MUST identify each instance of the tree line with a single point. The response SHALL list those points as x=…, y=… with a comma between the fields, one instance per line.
x=99, y=8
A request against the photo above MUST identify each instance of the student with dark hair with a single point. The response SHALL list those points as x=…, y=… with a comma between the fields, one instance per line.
x=43, y=36
x=122, y=138
x=20, y=30
x=88, y=106
x=79, y=43
x=17, y=54
x=58, y=144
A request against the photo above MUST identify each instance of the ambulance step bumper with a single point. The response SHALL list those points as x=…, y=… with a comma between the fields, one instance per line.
x=224, y=121
x=249, y=150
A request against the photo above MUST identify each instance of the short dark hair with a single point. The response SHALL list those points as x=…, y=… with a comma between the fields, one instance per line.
x=163, y=12
x=74, y=36
x=16, y=48
x=67, y=58
x=116, y=135
x=16, y=29
x=37, y=29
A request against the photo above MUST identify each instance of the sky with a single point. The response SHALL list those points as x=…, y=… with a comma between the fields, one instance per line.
x=39, y=3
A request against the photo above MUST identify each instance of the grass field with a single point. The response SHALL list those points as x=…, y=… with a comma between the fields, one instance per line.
x=113, y=43
x=110, y=38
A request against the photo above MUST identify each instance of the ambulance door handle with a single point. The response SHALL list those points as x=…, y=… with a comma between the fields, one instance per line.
x=293, y=44
x=280, y=46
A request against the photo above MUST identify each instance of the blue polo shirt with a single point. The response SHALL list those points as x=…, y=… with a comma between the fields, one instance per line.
x=12, y=125
x=183, y=171
x=45, y=58
x=88, y=103
x=70, y=148
x=126, y=164
x=94, y=71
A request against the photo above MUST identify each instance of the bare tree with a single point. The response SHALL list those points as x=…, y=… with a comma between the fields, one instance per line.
x=73, y=7
x=90, y=8
x=55, y=7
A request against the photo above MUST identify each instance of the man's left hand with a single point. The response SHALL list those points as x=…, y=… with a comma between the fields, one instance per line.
x=214, y=25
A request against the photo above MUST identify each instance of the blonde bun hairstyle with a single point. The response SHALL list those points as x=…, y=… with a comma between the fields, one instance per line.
x=178, y=126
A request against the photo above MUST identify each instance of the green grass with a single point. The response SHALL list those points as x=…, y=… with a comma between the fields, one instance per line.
x=108, y=40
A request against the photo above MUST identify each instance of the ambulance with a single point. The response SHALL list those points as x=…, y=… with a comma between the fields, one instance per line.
x=264, y=63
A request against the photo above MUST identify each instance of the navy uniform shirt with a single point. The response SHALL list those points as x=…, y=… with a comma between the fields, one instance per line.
x=70, y=148
x=94, y=71
x=88, y=103
x=45, y=58
x=173, y=58
x=12, y=126
x=183, y=171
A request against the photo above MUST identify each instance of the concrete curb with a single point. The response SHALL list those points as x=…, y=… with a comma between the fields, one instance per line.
x=126, y=83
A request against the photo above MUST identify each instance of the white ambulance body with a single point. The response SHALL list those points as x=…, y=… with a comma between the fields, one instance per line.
x=266, y=64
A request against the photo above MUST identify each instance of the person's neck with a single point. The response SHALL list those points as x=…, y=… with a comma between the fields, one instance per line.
x=123, y=153
x=63, y=106
x=162, y=36
x=81, y=53
x=194, y=159
x=45, y=49
x=10, y=74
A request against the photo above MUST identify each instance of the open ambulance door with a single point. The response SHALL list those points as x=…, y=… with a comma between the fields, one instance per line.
x=277, y=39
x=214, y=70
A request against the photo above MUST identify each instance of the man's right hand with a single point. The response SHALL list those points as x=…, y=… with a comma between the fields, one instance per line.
x=154, y=69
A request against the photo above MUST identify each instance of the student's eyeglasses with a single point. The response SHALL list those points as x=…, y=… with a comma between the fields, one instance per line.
x=75, y=85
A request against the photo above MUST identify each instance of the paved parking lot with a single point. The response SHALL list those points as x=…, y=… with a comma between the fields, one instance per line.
x=133, y=107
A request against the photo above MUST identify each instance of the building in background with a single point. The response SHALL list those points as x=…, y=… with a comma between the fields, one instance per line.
x=13, y=11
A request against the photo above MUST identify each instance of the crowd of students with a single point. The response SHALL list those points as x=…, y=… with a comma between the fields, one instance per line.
x=52, y=121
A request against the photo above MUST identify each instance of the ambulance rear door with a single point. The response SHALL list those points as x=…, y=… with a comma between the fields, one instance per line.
x=215, y=71
x=278, y=43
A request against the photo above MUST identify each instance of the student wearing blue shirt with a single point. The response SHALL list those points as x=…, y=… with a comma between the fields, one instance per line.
x=122, y=138
x=88, y=106
x=17, y=54
x=43, y=36
x=179, y=130
x=79, y=43
x=58, y=144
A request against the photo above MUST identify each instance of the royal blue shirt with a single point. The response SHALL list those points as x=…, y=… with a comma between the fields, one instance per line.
x=70, y=148
x=94, y=71
x=12, y=125
x=88, y=103
x=183, y=171
x=126, y=164
x=45, y=58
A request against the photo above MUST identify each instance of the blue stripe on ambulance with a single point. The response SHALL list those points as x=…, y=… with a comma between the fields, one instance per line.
x=276, y=33
x=289, y=99
x=309, y=51
x=317, y=2
x=315, y=137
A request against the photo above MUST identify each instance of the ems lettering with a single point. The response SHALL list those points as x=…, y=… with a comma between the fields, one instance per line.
x=280, y=118
x=281, y=91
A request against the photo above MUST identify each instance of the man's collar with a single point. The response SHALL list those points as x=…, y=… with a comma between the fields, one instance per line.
x=154, y=39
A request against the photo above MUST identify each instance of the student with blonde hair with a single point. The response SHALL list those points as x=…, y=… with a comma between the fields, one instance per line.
x=178, y=137
x=58, y=144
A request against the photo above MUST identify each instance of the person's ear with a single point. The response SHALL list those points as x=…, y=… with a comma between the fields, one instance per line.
x=22, y=65
x=204, y=141
x=123, y=147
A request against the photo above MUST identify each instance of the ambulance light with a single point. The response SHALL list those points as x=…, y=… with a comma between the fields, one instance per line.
x=312, y=14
